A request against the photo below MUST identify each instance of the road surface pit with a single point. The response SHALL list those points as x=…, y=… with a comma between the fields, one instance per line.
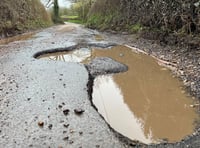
x=146, y=103
x=77, y=56
x=99, y=37
x=22, y=37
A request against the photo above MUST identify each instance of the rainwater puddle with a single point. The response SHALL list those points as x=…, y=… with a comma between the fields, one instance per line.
x=79, y=56
x=98, y=37
x=16, y=38
x=146, y=103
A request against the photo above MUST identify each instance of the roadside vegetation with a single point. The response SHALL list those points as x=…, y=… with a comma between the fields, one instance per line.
x=21, y=15
x=171, y=22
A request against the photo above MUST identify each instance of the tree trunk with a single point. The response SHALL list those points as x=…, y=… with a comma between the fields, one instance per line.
x=56, y=10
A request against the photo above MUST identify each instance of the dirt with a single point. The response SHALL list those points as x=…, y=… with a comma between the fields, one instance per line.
x=32, y=90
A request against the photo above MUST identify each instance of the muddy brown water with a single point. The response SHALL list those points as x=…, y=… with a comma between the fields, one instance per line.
x=146, y=103
x=21, y=37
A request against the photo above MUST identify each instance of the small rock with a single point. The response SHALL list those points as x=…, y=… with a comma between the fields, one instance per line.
x=59, y=106
x=71, y=142
x=40, y=123
x=71, y=131
x=66, y=111
x=66, y=138
x=50, y=126
x=66, y=125
x=79, y=111
x=28, y=99
x=80, y=133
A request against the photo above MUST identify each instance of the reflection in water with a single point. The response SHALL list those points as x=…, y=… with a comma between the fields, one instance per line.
x=146, y=103
x=109, y=100
x=80, y=55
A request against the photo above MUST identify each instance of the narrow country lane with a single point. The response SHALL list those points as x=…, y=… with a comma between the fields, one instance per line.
x=46, y=103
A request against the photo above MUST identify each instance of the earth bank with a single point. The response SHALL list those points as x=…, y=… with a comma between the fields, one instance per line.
x=21, y=15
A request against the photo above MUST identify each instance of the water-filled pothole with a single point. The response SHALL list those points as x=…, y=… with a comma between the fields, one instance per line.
x=81, y=55
x=146, y=103
x=16, y=38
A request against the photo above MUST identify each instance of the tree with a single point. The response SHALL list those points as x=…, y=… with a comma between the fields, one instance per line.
x=56, y=9
x=82, y=7
x=55, y=17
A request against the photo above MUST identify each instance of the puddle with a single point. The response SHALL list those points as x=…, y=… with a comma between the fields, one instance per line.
x=16, y=38
x=146, y=103
x=99, y=37
x=81, y=55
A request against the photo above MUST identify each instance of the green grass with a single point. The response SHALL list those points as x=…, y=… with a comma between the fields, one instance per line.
x=78, y=21
x=72, y=19
x=135, y=28
x=69, y=17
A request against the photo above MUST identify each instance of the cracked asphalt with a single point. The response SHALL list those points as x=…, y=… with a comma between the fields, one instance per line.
x=34, y=93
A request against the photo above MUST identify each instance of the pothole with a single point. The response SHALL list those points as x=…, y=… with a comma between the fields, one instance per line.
x=146, y=103
x=99, y=37
x=21, y=37
x=81, y=55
